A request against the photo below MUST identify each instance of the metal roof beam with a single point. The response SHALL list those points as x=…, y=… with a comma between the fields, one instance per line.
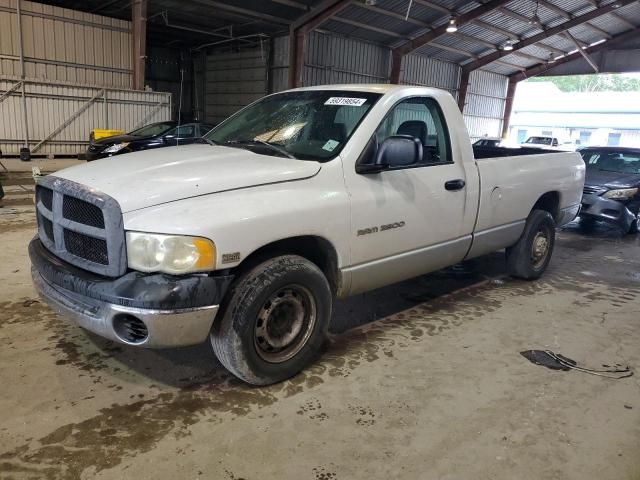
x=622, y=19
x=367, y=27
x=298, y=31
x=244, y=12
x=494, y=29
x=472, y=39
x=511, y=65
x=406, y=48
x=543, y=67
x=389, y=13
x=602, y=32
x=434, y=6
x=582, y=52
x=551, y=49
x=556, y=9
x=293, y=4
x=453, y=49
x=514, y=15
x=550, y=32
x=529, y=56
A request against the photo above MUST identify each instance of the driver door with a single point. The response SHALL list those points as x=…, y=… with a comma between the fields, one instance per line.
x=408, y=220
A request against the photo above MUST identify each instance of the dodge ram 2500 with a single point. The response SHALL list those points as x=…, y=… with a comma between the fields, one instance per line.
x=300, y=198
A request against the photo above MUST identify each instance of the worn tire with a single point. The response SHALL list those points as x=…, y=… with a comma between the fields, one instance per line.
x=235, y=336
x=521, y=260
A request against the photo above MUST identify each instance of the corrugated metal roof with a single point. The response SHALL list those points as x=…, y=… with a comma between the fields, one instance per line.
x=370, y=22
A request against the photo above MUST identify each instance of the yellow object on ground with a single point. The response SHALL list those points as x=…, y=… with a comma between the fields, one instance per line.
x=98, y=133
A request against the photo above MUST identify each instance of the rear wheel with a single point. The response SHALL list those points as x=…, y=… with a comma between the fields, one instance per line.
x=275, y=321
x=530, y=256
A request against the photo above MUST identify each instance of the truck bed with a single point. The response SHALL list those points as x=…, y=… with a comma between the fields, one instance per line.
x=494, y=152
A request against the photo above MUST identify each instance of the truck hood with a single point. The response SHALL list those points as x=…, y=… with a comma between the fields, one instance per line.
x=147, y=178
x=600, y=178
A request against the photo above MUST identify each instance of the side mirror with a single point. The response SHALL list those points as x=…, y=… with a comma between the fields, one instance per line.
x=396, y=151
x=399, y=151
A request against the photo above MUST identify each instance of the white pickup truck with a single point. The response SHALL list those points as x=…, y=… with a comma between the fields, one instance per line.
x=303, y=197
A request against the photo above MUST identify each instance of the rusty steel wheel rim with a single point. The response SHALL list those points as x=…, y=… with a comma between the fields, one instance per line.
x=285, y=323
x=539, y=248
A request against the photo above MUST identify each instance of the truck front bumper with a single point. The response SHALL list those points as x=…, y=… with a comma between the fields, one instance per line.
x=146, y=310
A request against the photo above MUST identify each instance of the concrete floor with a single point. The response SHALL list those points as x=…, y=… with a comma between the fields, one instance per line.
x=422, y=380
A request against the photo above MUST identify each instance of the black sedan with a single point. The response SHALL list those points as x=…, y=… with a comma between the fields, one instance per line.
x=612, y=187
x=155, y=135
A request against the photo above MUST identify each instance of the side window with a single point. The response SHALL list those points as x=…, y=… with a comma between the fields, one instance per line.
x=555, y=142
x=420, y=118
x=184, y=131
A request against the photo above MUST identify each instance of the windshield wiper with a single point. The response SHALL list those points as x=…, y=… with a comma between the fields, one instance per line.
x=210, y=142
x=250, y=143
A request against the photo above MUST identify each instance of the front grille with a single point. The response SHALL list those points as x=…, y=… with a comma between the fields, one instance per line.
x=81, y=226
x=590, y=190
x=82, y=212
x=46, y=197
x=48, y=228
x=84, y=246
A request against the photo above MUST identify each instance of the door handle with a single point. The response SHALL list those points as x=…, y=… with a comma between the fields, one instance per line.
x=453, y=185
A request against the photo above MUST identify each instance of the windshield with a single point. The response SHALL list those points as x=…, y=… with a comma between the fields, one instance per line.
x=539, y=140
x=152, y=130
x=612, y=161
x=310, y=125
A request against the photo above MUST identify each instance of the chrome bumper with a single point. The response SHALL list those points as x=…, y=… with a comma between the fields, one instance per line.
x=165, y=328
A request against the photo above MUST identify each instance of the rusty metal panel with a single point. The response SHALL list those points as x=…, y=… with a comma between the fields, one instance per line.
x=50, y=105
x=484, y=108
x=63, y=45
x=430, y=72
x=331, y=59
x=234, y=80
x=280, y=64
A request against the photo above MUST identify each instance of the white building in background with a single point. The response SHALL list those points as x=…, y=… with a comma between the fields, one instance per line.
x=584, y=119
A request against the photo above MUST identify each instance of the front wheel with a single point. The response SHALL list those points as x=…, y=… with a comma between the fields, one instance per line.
x=530, y=256
x=275, y=321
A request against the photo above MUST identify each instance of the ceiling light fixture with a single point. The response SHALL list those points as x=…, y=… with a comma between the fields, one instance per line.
x=452, y=27
x=371, y=3
x=507, y=46
x=535, y=19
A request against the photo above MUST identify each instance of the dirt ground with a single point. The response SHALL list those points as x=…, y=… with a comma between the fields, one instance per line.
x=422, y=380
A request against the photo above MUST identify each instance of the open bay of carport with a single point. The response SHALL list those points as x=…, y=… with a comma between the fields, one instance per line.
x=421, y=380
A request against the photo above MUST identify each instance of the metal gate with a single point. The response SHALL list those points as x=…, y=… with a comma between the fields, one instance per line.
x=59, y=117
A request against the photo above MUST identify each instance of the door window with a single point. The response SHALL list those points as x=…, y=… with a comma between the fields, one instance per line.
x=183, y=131
x=422, y=119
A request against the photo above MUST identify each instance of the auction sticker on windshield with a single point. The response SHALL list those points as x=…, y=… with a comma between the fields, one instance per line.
x=353, y=102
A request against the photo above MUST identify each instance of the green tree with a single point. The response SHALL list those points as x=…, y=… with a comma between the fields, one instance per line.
x=593, y=83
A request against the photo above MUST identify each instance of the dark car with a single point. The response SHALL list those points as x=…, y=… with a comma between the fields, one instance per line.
x=488, y=142
x=155, y=135
x=612, y=187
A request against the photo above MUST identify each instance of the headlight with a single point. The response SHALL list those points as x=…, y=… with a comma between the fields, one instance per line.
x=116, y=148
x=174, y=254
x=621, y=193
